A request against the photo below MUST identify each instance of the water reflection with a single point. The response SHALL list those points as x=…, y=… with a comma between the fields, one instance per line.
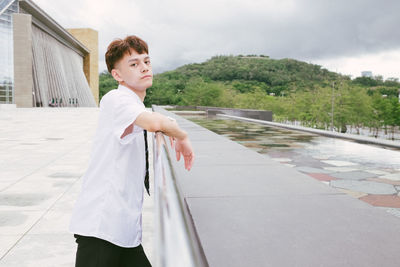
x=304, y=149
x=368, y=172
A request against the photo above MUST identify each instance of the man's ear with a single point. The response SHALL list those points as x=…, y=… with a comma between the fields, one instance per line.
x=116, y=75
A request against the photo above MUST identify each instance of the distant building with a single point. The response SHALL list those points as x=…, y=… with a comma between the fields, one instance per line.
x=41, y=63
x=366, y=74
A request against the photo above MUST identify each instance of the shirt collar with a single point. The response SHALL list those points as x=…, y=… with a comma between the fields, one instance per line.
x=126, y=89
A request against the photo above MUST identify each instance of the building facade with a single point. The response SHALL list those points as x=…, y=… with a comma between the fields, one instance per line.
x=367, y=74
x=41, y=63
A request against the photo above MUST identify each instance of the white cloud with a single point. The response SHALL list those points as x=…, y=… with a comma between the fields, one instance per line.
x=337, y=33
x=382, y=63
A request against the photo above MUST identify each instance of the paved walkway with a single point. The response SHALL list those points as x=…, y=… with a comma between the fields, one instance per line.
x=250, y=210
x=43, y=154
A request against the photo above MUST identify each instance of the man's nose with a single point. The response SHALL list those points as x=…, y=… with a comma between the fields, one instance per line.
x=145, y=68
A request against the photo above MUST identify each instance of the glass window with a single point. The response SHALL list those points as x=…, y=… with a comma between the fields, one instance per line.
x=6, y=51
x=4, y=3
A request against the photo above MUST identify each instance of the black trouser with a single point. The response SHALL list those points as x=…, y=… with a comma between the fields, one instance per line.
x=95, y=252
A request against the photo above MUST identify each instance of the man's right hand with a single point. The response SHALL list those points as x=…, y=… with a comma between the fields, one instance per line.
x=184, y=147
x=154, y=122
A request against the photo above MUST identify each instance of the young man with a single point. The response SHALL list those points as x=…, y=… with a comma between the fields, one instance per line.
x=107, y=218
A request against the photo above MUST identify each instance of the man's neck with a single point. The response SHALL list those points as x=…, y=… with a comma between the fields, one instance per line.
x=140, y=94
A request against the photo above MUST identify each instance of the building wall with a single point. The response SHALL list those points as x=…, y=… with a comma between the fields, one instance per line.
x=23, y=83
x=58, y=77
x=89, y=38
x=366, y=74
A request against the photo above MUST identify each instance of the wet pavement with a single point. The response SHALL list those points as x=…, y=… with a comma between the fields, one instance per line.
x=368, y=172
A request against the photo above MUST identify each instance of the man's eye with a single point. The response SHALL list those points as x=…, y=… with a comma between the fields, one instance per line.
x=147, y=62
x=134, y=65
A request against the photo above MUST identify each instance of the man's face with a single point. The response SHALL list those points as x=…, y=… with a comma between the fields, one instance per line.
x=134, y=71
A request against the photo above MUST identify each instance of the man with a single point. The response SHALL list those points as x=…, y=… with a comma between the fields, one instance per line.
x=107, y=218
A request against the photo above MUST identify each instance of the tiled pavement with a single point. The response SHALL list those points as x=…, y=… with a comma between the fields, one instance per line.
x=43, y=154
x=375, y=185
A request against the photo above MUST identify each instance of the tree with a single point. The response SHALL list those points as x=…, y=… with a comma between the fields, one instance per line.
x=106, y=83
x=200, y=93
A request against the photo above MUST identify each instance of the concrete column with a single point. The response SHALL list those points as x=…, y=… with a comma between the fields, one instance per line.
x=23, y=81
x=90, y=39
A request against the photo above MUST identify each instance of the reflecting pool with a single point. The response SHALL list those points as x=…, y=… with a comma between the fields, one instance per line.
x=368, y=172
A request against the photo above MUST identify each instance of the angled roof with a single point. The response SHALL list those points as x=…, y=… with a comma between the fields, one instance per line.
x=4, y=4
x=49, y=25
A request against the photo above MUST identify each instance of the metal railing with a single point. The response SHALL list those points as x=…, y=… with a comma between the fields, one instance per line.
x=176, y=241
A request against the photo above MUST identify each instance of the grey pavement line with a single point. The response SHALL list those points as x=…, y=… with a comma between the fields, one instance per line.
x=40, y=218
x=364, y=139
x=270, y=195
x=42, y=166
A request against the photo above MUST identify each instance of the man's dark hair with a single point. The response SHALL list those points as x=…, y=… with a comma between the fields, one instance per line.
x=118, y=48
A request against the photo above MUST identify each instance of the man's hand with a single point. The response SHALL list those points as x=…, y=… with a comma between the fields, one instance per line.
x=184, y=147
x=154, y=122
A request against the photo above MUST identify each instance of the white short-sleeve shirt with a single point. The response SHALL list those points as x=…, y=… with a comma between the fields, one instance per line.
x=110, y=202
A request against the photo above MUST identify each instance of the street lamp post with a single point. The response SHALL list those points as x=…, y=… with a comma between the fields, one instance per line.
x=333, y=101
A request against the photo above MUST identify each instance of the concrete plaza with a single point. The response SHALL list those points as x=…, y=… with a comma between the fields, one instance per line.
x=297, y=220
x=44, y=153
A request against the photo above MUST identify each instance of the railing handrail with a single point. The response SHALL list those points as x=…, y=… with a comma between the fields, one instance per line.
x=195, y=249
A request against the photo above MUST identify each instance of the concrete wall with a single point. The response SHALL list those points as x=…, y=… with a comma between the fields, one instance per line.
x=265, y=115
x=89, y=38
x=23, y=82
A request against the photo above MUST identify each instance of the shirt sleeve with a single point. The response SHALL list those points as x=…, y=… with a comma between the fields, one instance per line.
x=125, y=113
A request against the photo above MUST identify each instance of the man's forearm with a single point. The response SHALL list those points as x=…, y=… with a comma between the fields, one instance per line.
x=154, y=122
x=171, y=128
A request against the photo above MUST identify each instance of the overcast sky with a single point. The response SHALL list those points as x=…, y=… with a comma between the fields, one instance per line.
x=348, y=36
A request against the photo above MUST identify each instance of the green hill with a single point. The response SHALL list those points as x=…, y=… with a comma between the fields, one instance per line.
x=293, y=90
x=270, y=72
x=243, y=74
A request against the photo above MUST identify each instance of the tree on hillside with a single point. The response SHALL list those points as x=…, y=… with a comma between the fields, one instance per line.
x=106, y=83
x=302, y=91
x=200, y=93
